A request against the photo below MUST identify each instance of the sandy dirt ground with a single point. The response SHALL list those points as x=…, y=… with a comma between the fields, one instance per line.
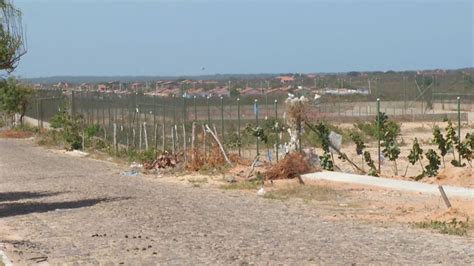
x=64, y=208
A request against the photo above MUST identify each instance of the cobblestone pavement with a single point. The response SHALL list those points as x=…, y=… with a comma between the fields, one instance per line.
x=60, y=209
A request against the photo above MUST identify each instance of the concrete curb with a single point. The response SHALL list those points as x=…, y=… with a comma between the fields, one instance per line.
x=451, y=191
x=4, y=259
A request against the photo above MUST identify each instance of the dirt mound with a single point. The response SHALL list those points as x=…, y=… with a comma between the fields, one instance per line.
x=293, y=165
x=454, y=176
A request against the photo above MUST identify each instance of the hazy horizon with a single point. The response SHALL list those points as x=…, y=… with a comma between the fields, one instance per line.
x=192, y=38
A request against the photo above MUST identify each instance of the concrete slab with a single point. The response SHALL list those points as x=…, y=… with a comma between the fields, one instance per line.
x=451, y=191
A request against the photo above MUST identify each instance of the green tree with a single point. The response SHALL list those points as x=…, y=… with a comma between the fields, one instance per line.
x=14, y=97
x=12, y=46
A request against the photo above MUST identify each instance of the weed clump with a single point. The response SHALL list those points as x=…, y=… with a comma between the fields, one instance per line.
x=453, y=227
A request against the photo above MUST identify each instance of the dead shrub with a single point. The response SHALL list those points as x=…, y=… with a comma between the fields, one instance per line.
x=196, y=161
x=293, y=165
x=214, y=159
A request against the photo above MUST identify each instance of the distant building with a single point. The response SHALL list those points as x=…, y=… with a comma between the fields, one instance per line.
x=220, y=91
x=102, y=87
x=344, y=91
x=286, y=79
x=250, y=91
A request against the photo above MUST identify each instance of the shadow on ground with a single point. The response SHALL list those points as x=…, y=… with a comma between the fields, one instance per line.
x=22, y=208
x=20, y=195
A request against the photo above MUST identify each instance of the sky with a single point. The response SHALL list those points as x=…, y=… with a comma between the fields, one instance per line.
x=199, y=37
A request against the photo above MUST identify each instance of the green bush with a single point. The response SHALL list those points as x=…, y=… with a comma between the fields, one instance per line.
x=69, y=128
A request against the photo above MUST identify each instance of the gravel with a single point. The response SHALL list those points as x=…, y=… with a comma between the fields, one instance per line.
x=71, y=209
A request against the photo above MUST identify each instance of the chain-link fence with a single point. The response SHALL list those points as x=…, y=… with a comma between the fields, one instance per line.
x=177, y=124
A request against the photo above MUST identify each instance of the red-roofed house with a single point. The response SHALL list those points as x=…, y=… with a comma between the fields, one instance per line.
x=286, y=79
x=250, y=91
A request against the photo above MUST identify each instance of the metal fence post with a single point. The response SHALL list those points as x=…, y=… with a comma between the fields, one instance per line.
x=208, y=112
x=222, y=119
x=256, y=120
x=238, y=126
x=378, y=133
x=154, y=121
x=459, y=127
x=174, y=110
x=41, y=112
x=195, y=109
x=73, y=104
x=277, y=130
x=103, y=110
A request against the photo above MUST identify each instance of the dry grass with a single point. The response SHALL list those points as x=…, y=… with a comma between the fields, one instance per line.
x=197, y=182
x=199, y=162
x=16, y=134
x=306, y=193
x=242, y=185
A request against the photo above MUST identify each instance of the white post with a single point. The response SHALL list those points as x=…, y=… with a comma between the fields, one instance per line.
x=145, y=135
x=140, y=139
x=115, y=137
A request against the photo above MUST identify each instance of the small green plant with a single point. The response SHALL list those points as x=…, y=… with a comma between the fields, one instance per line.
x=453, y=227
x=326, y=162
x=371, y=164
x=356, y=137
x=322, y=132
x=388, y=133
x=416, y=155
x=439, y=139
x=464, y=149
x=433, y=165
x=451, y=139
x=257, y=132
x=470, y=140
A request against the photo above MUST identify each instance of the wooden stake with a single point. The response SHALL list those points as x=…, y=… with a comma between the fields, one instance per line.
x=176, y=138
x=184, y=143
x=145, y=135
x=163, y=133
x=115, y=137
x=219, y=143
x=193, y=137
x=252, y=167
x=172, y=140
x=445, y=198
x=205, y=140
x=134, y=134
x=83, y=140
x=156, y=136
x=140, y=139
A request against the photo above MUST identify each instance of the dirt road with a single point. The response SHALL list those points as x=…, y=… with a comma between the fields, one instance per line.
x=60, y=209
